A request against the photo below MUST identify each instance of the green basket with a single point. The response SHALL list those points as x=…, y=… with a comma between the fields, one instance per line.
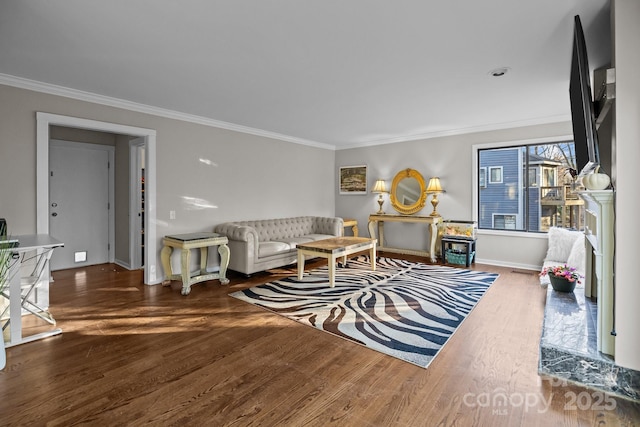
x=453, y=256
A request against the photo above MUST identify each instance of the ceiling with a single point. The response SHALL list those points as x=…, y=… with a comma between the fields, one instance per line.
x=336, y=74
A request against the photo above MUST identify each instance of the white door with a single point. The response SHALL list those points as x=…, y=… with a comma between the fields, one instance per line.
x=79, y=204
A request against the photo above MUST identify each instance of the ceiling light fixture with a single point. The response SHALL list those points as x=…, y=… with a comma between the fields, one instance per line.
x=499, y=72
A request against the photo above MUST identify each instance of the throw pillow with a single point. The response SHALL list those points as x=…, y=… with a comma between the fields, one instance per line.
x=577, y=257
x=560, y=243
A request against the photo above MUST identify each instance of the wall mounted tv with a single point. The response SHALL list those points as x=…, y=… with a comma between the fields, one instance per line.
x=583, y=117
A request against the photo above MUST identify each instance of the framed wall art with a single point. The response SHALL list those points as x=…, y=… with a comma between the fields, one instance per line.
x=353, y=179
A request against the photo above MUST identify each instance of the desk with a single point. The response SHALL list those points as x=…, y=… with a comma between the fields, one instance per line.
x=379, y=220
x=42, y=245
x=186, y=242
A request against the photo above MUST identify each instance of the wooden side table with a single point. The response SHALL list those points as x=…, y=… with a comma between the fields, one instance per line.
x=186, y=242
x=350, y=222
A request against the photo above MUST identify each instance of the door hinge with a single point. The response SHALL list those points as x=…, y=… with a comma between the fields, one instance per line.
x=108, y=205
x=108, y=246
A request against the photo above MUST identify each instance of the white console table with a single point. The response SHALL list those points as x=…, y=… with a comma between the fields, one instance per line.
x=378, y=220
x=599, y=233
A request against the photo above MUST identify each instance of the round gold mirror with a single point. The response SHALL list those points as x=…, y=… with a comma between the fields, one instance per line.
x=408, y=194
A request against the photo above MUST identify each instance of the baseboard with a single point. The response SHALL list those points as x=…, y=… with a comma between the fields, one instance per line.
x=518, y=266
x=122, y=264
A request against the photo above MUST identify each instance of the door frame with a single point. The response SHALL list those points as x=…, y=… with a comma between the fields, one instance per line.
x=43, y=122
x=111, y=236
x=135, y=201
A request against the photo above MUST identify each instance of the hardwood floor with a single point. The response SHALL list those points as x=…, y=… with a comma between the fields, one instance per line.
x=132, y=354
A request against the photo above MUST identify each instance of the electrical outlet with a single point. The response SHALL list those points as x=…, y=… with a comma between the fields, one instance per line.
x=172, y=214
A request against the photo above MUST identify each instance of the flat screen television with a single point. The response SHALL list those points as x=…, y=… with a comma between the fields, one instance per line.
x=583, y=116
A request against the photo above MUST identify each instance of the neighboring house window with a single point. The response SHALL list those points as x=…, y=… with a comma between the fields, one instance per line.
x=504, y=222
x=549, y=176
x=533, y=177
x=482, y=178
x=524, y=187
x=495, y=175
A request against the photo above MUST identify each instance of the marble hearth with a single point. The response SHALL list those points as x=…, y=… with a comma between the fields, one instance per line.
x=568, y=347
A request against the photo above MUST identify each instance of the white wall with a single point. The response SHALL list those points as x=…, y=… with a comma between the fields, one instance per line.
x=245, y=177
x=626, y=15
x=449, y=158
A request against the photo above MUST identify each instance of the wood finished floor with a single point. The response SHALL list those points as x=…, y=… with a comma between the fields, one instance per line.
x=132, y=354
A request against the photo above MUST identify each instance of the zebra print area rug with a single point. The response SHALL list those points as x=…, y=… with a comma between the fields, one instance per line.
x=404, y=309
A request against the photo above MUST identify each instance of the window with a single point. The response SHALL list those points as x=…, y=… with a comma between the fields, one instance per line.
x=533, y=177
x=525, y=187
x=495, y=175
x=504, y=222
x=549, y=177
x=482, y=178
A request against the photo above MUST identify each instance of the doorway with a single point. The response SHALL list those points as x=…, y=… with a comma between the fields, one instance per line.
x=44, y=121
x=81, y=201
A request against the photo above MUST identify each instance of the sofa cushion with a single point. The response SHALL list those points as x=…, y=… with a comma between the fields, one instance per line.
x=560, y=241
x=293, y=242
x=266, y=249
x=316, y=237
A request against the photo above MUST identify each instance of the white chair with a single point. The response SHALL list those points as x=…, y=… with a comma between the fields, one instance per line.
x=564, y=247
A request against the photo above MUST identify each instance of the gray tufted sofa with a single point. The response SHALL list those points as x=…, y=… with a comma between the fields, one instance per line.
x=263, y=244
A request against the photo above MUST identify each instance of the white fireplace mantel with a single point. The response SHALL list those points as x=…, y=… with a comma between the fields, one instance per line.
x=599, y=233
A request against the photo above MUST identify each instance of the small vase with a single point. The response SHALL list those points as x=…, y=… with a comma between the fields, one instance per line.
x=561, y=284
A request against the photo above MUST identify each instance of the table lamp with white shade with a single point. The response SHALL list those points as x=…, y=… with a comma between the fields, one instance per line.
x=380, y=188
x=434, y=188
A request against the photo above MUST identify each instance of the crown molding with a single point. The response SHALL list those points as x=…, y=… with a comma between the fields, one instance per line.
x=80, y=95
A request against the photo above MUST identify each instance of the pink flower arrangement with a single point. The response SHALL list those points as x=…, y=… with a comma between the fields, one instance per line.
x=563, y=272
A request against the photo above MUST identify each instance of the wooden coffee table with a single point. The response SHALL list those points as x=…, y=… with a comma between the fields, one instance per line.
x=335, y=248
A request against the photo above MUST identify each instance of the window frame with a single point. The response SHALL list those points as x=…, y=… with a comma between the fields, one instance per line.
x=475, y=175
x=491, y=169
